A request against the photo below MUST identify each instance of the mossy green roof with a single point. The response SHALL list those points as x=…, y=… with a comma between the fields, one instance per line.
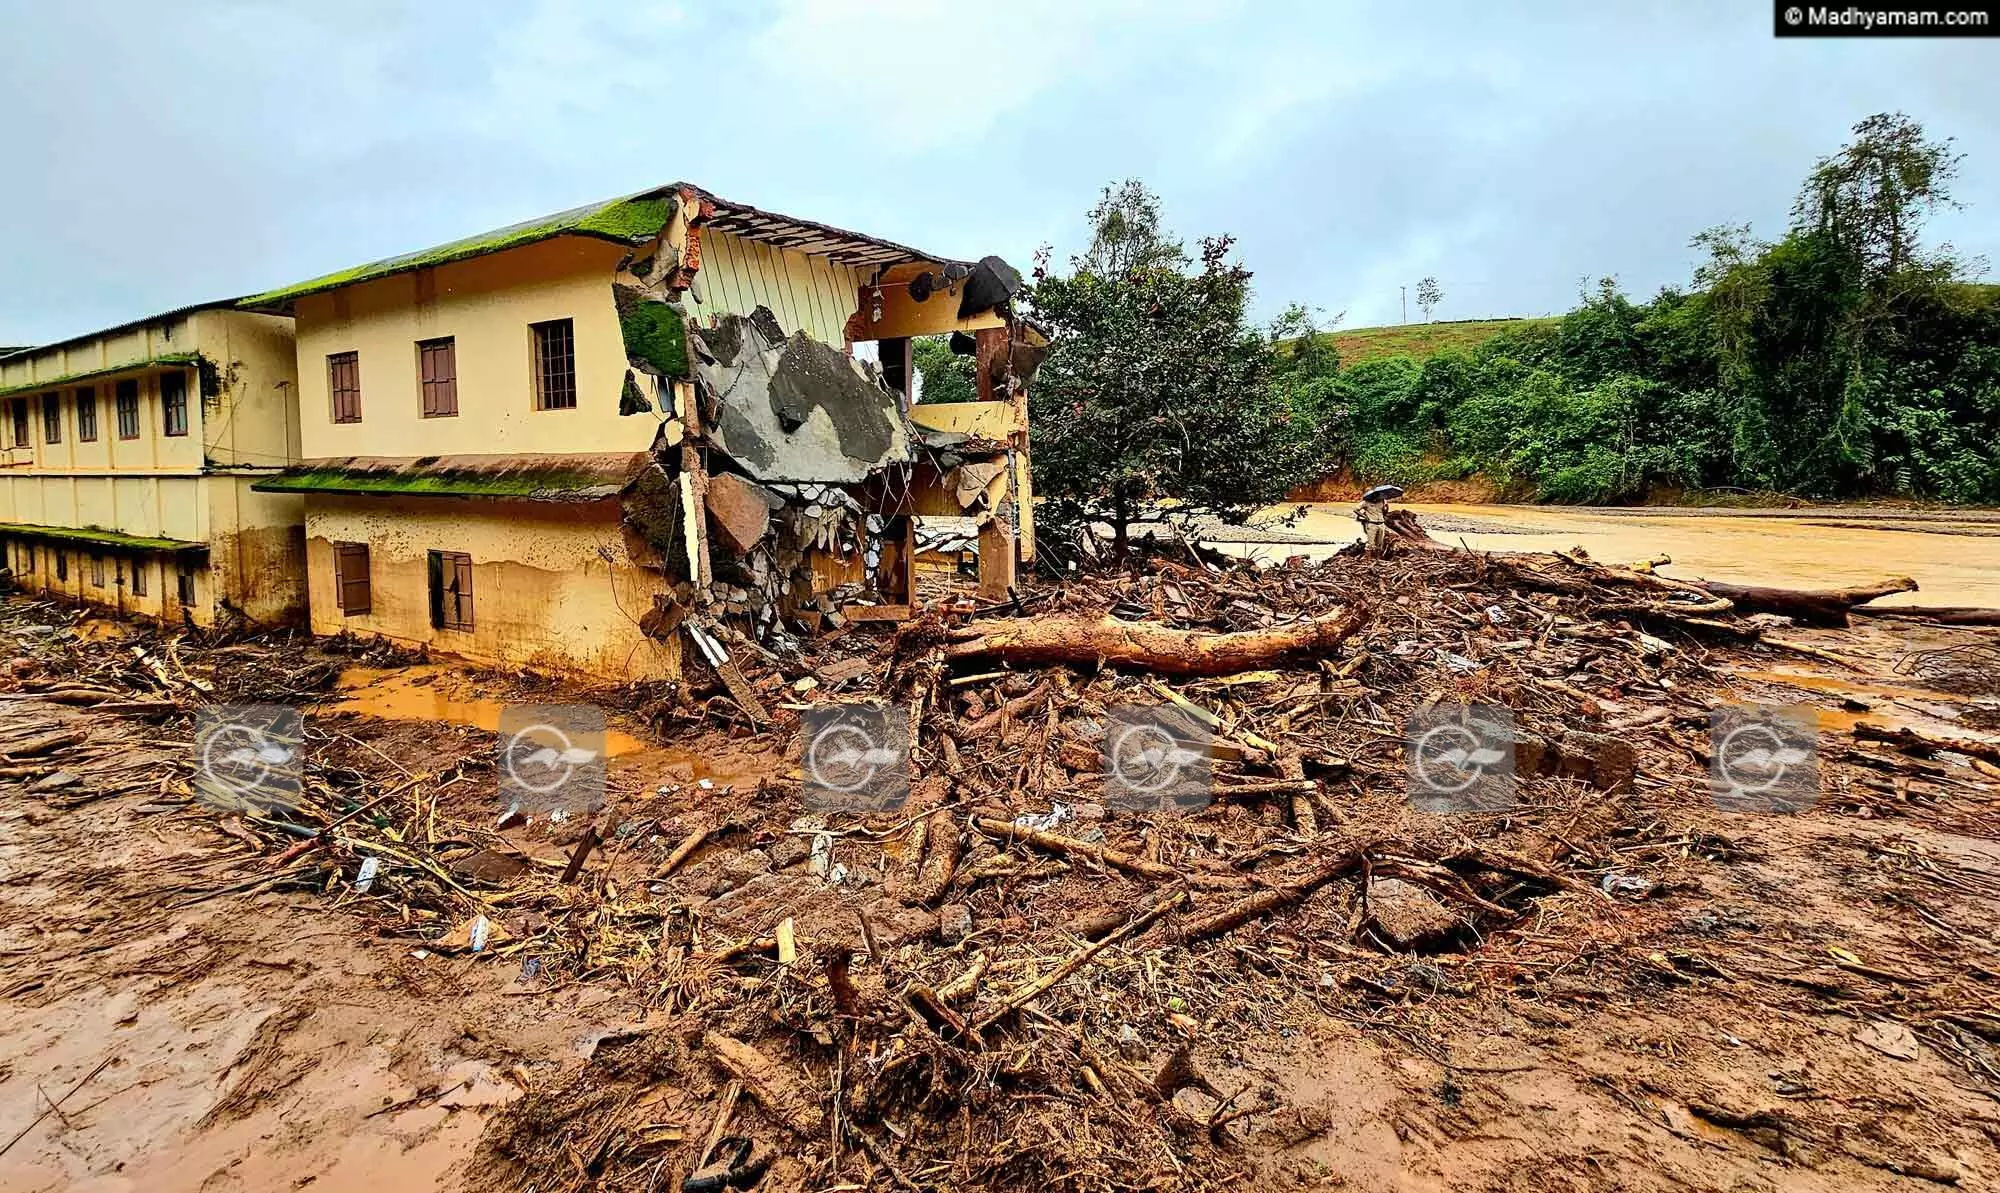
x=163, y=361
x=514, y=478
x=92, y=536
x=632, y=219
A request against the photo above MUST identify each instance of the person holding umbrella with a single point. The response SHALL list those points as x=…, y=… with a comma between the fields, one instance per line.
x=1373, y=514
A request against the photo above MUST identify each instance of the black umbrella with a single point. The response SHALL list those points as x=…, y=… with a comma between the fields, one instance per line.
x=1382, y=493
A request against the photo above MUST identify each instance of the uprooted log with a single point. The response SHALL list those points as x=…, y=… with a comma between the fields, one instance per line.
x=1165, y=651
x=1827, y=607
x=1966, y=615
x=1924, y=745
x=1690, y=598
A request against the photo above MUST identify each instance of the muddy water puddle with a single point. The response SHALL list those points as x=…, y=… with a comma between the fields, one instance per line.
x=1847, y=701
x=435, y=693
x=1955, y=559
x=438, y=694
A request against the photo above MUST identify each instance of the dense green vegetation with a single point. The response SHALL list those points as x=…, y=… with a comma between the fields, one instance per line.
x=1843, y=360
x=1157, y=389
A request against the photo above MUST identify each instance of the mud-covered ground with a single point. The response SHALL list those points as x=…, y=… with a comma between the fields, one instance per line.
x=1806, y=1001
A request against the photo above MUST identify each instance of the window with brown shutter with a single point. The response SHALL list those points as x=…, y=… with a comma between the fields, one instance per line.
x=437, y=368
x=350, y=577
x=555, y=365
x=86, y=414
x=126, y=398
x=19, y=409
x=51, y=418
x=173, y=404
x=343, y=381
x=451, y=590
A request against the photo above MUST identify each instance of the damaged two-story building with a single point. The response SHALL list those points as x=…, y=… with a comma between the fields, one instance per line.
x=585, y=442
x=128, y=458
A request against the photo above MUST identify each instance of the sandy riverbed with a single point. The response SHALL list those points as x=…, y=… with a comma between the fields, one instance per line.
x=1953, y=555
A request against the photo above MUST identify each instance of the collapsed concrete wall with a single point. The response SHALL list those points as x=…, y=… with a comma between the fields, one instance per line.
x=787, y=475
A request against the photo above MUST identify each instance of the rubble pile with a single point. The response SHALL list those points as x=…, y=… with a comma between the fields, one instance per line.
x=1018, y=979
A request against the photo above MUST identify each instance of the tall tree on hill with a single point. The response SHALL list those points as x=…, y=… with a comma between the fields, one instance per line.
x=1873, y=197
x=1429, y=294
x=1127, y=234
x=1156, y=398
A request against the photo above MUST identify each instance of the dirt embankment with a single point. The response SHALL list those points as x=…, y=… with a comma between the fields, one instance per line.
x=1016, y=980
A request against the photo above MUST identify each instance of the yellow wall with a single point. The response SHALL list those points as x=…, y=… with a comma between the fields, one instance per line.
x=193, y=487
x=486, y=305
x=117, y=592
x=256, y=548
x=544, y=593
x=254, y=421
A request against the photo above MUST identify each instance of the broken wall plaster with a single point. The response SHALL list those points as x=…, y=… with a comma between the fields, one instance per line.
x=795, y=409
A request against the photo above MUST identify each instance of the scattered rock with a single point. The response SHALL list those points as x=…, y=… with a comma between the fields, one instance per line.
x=1408, y=916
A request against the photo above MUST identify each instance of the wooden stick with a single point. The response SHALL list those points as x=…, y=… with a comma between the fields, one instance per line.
x=723, y=1114
x=1070, y=846
x=681, y=852
x=775, y=1090
x=1035, y=989
x=53, y=1106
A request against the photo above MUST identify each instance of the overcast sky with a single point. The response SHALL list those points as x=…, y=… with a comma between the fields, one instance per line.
x=164, y=154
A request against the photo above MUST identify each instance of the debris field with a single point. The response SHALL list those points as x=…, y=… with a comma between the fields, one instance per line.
x=1016, y=980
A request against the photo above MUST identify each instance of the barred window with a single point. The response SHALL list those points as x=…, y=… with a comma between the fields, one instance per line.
x=51, y=418
x=126, y=397
x=555, y=365
x=86, y=414
x=173, y=404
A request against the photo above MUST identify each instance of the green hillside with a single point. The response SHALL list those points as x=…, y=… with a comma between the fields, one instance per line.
x=1421, y=340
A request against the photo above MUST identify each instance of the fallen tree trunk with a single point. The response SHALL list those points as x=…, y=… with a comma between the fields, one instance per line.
x=1923, y=745
x=1700, y=598
x=1941, y=614
x=1069, y=640
x=1827, y=607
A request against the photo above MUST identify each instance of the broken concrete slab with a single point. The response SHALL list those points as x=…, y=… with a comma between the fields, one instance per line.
x=739, y=510
x=796, y=409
